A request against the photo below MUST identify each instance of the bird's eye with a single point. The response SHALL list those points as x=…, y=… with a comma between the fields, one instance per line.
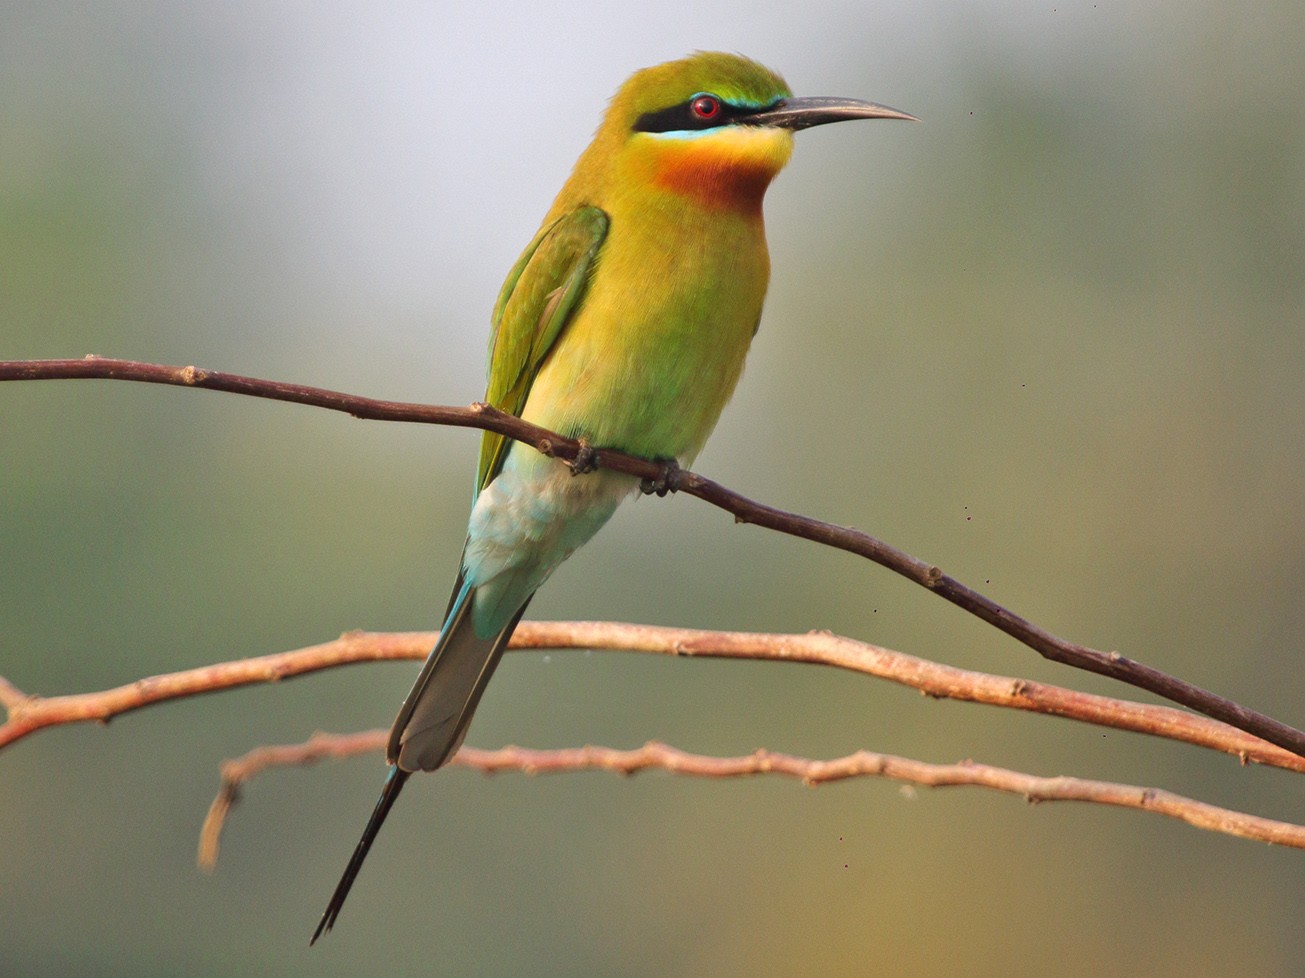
x=705, y=107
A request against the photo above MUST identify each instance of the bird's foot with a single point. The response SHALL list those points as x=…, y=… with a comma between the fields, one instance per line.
x=668, y=481
x=586, y=459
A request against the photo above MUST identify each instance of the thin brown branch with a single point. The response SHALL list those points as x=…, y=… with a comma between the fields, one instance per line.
x=1110, y=664
x=27, y=714
x=811, y=772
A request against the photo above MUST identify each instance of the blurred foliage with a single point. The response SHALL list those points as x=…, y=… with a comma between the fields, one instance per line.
x=1051, y=339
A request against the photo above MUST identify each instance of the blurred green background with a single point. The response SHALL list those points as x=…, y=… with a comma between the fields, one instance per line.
x=1050, y=339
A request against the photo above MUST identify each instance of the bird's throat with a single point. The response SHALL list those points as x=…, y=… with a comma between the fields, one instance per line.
x=727, y=171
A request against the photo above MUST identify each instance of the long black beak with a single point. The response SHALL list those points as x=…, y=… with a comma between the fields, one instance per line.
x=803, y=113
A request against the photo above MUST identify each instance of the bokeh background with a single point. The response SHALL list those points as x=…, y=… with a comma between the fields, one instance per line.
x=1050, y=339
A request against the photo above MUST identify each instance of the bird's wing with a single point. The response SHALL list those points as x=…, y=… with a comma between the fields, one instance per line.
x=541, y=293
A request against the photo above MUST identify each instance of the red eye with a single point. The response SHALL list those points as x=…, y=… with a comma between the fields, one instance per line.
x=705, y=106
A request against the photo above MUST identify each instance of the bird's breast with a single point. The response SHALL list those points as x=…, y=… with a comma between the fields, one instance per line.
x=658, y=344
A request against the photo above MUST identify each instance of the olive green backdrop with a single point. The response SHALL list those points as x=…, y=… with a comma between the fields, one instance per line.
x=1050, y=339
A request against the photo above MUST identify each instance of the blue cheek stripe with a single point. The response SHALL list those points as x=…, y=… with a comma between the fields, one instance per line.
x=686, y=133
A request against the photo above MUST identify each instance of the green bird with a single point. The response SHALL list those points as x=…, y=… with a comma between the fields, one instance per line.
x=625, y=323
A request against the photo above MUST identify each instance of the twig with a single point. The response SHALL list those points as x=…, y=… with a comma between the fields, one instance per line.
x=811, y=772
x=235, y=773
x=27, y=714
x=1110, y=664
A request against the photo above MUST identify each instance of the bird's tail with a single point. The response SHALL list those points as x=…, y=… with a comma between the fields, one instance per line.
x=435, y=716
x=432, y=721
x=393, y=785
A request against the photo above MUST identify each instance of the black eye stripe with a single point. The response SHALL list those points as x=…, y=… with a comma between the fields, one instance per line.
x=681, y=117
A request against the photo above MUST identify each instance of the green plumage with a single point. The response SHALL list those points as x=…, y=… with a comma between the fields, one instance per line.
x=535, y=303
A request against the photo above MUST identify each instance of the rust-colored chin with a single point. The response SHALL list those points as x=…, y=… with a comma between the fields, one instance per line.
x=721, y=173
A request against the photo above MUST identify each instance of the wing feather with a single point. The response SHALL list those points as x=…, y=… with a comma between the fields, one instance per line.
x=537, y=301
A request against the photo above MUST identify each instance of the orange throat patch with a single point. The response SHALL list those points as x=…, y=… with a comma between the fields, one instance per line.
x=729, y=170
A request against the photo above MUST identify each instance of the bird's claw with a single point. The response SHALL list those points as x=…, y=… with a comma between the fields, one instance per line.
x=667, y=481
x=586, y=459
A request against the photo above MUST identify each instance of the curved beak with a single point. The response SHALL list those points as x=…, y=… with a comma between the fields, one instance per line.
x=803, y=113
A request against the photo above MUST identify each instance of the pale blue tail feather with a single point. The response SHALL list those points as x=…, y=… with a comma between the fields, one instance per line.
x=434, y=718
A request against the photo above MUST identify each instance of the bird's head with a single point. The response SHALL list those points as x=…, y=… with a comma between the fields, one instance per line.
x=713, y=128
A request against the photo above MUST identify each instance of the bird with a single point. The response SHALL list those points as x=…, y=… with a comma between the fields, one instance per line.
x=624, y=324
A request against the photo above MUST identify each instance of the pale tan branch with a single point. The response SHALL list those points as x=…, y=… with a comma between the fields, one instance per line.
x=931, y=678
x=812, y=772
x=27, y=714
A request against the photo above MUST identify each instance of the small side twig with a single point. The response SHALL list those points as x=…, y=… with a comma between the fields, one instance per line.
x=236, y=772
x=655, y=755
